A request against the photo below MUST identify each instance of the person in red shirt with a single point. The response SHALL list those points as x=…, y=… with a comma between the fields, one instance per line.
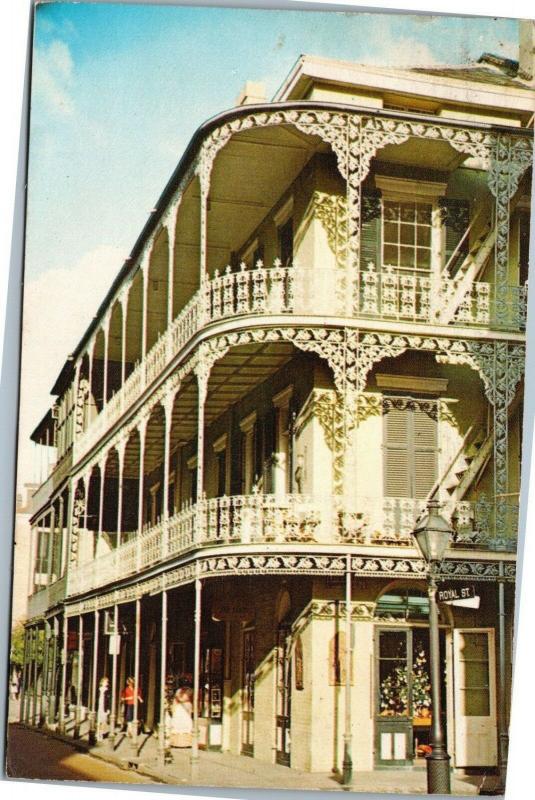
x=128, y=697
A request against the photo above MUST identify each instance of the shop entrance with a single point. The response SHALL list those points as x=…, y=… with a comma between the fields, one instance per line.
x=248, y=679
x=403, y=709
x=284, y=694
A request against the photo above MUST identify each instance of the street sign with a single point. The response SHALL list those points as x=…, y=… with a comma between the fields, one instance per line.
x=454, y=594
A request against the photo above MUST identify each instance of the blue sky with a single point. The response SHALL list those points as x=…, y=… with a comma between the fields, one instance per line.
x=118, y=91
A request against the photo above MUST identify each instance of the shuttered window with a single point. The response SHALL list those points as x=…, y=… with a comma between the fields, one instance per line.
x=410, y=448
x=370, y=232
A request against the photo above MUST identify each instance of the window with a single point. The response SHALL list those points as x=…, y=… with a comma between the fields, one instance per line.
x=286, y=243
x=523, y=247
x=410, y=446
x=247, y=455
x=473, y=674
x=407, y=235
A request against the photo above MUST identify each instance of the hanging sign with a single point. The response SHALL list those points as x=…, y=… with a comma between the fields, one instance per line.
x=114, y=644
x=458, y=596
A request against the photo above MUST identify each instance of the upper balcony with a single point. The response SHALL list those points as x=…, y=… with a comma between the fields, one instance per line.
x=293, y=520
x=266, y=217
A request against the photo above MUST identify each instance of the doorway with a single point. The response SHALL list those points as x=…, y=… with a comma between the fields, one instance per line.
x=284, y=695
x=248, y=680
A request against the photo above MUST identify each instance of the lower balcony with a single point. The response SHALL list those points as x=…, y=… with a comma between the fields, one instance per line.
x=46, y=598
x=258, y=519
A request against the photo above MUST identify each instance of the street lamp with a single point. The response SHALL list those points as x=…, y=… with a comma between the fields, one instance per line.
x=432, y=538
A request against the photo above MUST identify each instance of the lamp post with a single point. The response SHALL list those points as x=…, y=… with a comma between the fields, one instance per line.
x=432, y=538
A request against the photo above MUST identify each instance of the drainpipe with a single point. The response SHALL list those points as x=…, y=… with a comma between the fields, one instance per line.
x=347, y=765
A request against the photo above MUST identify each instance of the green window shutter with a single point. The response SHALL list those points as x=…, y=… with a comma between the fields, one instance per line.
x=370, y=230
x=424, y=429
x=410, y=448
x=396, y=453
x=455, y=216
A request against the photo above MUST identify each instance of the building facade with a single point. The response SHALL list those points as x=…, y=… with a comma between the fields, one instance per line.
x=321, y=327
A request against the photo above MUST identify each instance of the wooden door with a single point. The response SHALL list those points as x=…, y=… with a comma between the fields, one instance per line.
x=248, y=679
x=475, y=698
x=284, y=695
x=393, y=728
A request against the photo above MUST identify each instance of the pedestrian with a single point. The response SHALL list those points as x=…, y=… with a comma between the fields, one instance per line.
x=181, y=723
x=14, y=684
x=128, y=697
x=102, y=708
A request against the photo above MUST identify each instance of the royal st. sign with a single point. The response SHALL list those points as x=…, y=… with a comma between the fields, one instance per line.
x=458, y=595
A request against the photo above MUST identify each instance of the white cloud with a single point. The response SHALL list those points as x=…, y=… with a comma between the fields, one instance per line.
x=52, y=76
x=399, y=51
x=58, y=306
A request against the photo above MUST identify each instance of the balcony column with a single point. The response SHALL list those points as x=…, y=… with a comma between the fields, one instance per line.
x=162, y=746
x=196, y=678
x=50, y=546
x=86, y=480
x=102, y=471
x=168, y=404
x=203, y=375
x=94, y=681
x=121, y=449
x=45, y=675
x=142, y=429
x=106, y=328
x=52, y=680
x=61, y=534
x=114, y=653
x=36, y=638
x=136, y=673
x=79, y=680
x=170, y=224
x=204, y=180
x=31, y=677
x=123, y=300
x=63, y=690
x=31, y=565
x=25, y=703
x=91, y=396
x=25, y=711
x=144, y=266
x=24, y=678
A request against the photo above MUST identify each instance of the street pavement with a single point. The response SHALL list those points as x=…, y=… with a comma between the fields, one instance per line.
x=31, y=754
x=36, y=754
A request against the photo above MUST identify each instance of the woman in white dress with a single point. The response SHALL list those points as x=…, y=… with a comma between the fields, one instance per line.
x=102, y=708
x=181, y=723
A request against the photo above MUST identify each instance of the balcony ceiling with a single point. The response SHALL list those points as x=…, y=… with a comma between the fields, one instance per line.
x=233, y=377
x=422, y=153
x=250, y=175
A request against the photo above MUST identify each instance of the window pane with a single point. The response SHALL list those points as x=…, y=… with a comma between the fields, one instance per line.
x=406, y=257
x=407, y=234
x=407, y=212
x=423, y=258
x=475, y=702
x=423, y=235
x=391, y=232
x=390, y=254
x=474, y=646
x=391, y=212
x=393, y=644
x=423, y=213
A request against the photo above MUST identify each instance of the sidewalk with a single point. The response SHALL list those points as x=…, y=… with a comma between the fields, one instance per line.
x=228, y=770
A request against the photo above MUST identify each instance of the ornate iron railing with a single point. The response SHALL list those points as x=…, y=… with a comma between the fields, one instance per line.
x=295, y=290
x=58, y=474
x=288, y=519
x=46, y=598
